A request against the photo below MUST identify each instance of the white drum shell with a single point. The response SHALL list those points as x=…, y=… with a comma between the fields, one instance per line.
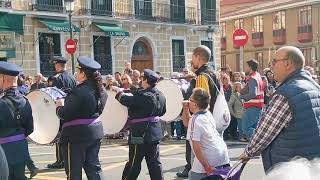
x=174, y=99
x=46, y=123
x=114, y=115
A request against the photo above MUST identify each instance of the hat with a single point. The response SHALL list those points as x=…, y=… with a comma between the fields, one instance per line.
x=88, y=63
x=152, y=76
x=59, y=59
x=9, y=69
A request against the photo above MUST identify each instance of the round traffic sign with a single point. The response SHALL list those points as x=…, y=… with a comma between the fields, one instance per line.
x=71, y=46
x=240, y=37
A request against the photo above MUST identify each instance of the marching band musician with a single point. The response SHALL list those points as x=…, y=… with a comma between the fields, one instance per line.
x=64, y=81
x=144, y=108
x=82, y=130
x=16, y=121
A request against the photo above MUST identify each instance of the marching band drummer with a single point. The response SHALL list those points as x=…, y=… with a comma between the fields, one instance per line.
x=82, y=130
x=144, y=108
x=64, y=81
x=16, y=121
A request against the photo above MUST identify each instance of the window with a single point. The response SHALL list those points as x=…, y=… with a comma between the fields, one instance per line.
x=102, y=53
x=223, y=30
x=177, y=12
x=178, y=58
x=257, y=24
x=101, y=7
x=259, y=58
x=305, y=16
x=223, y=61
x=140, y=49
x=209, y=44
x=279, y=20
x=143, y=9
x=49, y=5
x=238, y=24
x=208, y=11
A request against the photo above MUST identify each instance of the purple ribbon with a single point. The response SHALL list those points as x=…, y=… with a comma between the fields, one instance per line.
x=10, y=139
x=146, y=119
x=80, y=122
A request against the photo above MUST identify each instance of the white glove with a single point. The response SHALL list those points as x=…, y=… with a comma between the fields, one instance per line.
x=116, y=89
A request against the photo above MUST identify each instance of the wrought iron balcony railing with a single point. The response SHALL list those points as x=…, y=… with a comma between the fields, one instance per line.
x=209, y=16
x=5, y=4
x=178, y=63
x=96, y=7
x=48, y=5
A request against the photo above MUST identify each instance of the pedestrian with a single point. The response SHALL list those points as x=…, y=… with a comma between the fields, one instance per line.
x=206, y=79
x=145, y=107
x=82, y=129
x=64, y=81
x=289, y=126
x=209, y=150
x=253, y=96
x=16, y=121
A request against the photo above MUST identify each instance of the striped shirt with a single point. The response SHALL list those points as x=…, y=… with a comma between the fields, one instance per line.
x=272, y=120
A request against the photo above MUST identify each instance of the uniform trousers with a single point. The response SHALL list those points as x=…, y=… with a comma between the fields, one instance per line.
x=136, y=154
x=59, y=153
x=82, y=155
x=16, y=172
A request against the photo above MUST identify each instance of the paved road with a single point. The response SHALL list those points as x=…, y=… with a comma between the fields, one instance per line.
x=114, y=156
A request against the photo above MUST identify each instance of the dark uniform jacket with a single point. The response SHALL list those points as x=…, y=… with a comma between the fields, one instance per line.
x=64, y=81
x=82, y=103
x=145, y=103
x=16, y=152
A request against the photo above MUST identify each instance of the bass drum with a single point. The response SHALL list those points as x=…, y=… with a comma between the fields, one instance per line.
x=46, y=122
x=174, y=99
x=114, y=116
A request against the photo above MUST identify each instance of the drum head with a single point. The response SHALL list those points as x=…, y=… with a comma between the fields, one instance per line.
x=46, y=123
x=174, y=99
x=114, y=115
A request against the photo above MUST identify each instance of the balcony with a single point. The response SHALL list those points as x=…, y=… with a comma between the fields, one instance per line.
x=279, y=36
x=48, y=5
x=305, y=34
x=209, y=16
x=5, y=4
x=96, y=7
x=223, y=43
x=257, y=39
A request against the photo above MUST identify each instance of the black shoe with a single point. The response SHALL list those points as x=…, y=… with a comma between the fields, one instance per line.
x=34, y=172
x=56, y=165
x=184, y=173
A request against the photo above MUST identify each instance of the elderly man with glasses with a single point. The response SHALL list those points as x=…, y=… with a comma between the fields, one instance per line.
x=289, y=126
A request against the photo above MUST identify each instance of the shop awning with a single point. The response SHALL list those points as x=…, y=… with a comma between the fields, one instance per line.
x=11, y=22
x=58, y=25
x=111, y=29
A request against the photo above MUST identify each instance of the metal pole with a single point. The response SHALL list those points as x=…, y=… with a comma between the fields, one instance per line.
x=241, y=58
x=71, y=34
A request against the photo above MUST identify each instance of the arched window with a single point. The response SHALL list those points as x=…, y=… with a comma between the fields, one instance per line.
x=140, y=49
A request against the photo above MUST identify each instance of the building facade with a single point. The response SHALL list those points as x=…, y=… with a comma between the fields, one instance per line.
x=155, y=34
x=270, y=24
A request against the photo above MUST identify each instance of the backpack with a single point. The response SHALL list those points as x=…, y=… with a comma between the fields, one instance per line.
x=220, y=113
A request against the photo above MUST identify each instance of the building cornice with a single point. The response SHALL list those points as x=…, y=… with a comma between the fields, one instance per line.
x=270, y=9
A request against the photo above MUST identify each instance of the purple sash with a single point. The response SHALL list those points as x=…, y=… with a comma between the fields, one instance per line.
x=10, y=139
x=80, y=122
x=146, y=119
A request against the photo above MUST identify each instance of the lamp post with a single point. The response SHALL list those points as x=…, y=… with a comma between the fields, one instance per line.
x=210, y=31
x=70, y=8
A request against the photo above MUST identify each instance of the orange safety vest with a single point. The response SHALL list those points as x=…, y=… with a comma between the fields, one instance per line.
x=258, y=101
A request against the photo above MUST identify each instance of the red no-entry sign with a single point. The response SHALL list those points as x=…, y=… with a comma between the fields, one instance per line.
x=240, y=37
x=71, y=46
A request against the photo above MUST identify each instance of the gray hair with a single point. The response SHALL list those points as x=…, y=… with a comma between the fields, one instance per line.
x=295, y=55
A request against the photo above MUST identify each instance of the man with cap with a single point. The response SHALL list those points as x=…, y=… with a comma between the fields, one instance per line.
x=63, y=80
x=253, y=96
x=144, y=109
x=82, y=130
x=16, y=121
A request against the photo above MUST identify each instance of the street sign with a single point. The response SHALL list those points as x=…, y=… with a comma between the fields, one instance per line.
x=240, y=37
x=71, y=46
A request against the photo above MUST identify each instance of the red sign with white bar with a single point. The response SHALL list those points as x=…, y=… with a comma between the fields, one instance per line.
x=240, y=37
x=71, y=46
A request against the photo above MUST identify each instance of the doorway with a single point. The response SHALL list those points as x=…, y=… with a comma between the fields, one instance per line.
x=142, y=57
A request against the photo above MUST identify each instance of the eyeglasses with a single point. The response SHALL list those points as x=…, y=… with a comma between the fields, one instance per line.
x=274, y=61
x=123, y=79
